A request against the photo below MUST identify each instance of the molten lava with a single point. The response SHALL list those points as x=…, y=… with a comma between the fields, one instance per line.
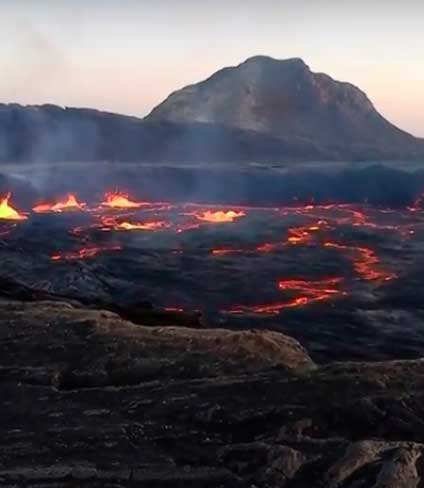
x=219, y=216
x=7, y=212
x=227, y=251
x=121, y=201
x=320, y=228
x=303, y=235
x=142, y=226
x=308, y=292
x=267, y=247
x=365, y=262
x=110, y=223
x=69, y=204
x=84, y=253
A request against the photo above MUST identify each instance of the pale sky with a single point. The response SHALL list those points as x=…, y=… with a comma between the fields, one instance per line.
x=127, y=55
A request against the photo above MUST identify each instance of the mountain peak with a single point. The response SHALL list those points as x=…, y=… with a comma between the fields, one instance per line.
x=285, y=99
x=263, y=59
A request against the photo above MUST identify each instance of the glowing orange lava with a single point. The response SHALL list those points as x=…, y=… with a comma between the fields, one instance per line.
x=267, y=247
x=142, y=226
x=121, y=201
x=111, y=223
x=220, y=216
x=7, y=212
x=320, y=227
x=303, y=235
x=365, y=262
x=309, y=292
x=227, y=251
x=70, y=204
x=326, y=285
x=84, y=253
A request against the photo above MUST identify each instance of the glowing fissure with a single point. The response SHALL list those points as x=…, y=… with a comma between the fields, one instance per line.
x=90, y=251
x=111, y=223
x=304, y=235
x=318, y=232
x=365, y=262
x=308, y=292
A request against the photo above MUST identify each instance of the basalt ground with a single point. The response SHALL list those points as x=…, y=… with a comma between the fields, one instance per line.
x=343, y=279
x=155, y=343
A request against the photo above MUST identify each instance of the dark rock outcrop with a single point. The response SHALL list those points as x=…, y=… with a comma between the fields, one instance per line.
x=88, y=399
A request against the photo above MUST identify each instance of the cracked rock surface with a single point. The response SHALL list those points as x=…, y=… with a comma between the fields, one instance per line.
x=89, y=399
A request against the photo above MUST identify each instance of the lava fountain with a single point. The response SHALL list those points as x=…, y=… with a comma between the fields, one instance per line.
x=7, y=212
x=120, y=201
x=69, y=204
x=220, y=216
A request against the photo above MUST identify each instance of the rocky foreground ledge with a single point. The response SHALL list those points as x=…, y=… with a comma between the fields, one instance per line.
x=88, y=399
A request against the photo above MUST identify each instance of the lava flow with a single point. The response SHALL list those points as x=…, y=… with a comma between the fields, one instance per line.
x=83, y=253
x=320, y=228
x=219, y=216
x=141, y=226
x=309, y=292
x=121, y=201
x=227, y=251
x=365, y=262
x=7, y=212
x=69, y=204
x=111, y=223
x=303, y=235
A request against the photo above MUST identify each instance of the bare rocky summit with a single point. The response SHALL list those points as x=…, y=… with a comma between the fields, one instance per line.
x=88, y=399
x=285, y=99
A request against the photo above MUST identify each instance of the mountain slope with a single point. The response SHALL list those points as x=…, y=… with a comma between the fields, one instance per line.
x=52, y=133
x=285, y=99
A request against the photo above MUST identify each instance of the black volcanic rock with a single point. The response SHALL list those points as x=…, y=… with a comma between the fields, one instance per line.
x=285, y=99
x=90, y=400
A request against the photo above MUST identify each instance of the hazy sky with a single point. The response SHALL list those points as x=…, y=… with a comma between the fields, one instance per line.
x=127, y=55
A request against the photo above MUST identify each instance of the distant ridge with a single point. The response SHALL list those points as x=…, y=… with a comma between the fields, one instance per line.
x=52, y=133
x=262, y=110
